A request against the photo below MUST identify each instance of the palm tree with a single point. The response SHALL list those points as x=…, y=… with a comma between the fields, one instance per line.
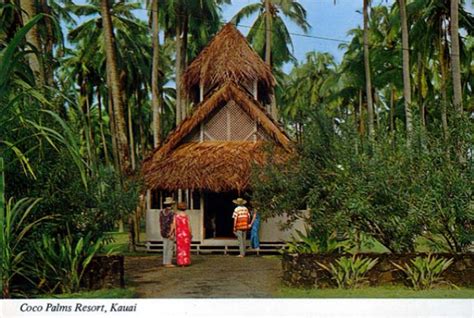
x=155, y=93
x=116, y=88
x=455, y=60
x=181, y=18
x=406, y=69
x=368, y=78
x=269, y=34
x=28, y=8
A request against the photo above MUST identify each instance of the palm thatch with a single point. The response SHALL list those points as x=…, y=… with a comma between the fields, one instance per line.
x=214, y=166
x=229, y=91
x=227, y=57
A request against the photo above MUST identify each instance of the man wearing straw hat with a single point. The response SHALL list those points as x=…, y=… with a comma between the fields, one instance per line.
x=167, y=225
x=241, y=218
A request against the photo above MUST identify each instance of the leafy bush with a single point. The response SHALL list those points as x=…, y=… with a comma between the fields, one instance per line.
x=425, y=272
x=307, y=244
x=15, y=229
x=388, y=190
x=350, y=272
x=61, y=262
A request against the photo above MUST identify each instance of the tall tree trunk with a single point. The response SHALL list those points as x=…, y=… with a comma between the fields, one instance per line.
x=28, y=8
x=101, y=127
x=455, y=60
x=49, y=44
x=113, y=134
x=268, y=33
x=406, y=70
x=268, y=53
x=421, y=102
x=179, y=44
x=131, y=138
x=444, y=74
x=392, y=109
x=368, y=80
x=183, y=56
x=155, y=73
x=118, y=105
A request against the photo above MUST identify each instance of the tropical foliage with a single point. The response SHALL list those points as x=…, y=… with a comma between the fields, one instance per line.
x=350, y=272
x=425, y=272
x=77, y=118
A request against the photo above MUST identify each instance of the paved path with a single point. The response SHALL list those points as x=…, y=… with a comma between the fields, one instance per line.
x=210, y=276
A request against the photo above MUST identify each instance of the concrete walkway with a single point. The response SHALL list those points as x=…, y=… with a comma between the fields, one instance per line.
x=209, y=276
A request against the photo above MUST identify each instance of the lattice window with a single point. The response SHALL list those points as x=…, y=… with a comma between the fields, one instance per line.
x=216, y=127
x=242, y=126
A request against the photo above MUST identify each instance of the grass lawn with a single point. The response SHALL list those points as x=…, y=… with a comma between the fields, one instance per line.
x=375, y=292
x=119, y=245
x=101, y=293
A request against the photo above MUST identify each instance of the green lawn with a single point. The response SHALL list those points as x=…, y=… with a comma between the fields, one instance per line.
x=101, y=293
x=375, y=292
x=119, y=245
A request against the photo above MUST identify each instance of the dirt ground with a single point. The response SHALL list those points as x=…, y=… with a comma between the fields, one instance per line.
x=209, y=276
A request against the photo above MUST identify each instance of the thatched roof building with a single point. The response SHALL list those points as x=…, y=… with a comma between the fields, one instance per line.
x=215, y=147
x=228, y=57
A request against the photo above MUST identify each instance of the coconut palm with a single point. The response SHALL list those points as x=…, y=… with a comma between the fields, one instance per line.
x=277, y=40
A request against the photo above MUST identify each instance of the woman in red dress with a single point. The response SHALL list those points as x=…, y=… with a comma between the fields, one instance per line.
x=183, y=236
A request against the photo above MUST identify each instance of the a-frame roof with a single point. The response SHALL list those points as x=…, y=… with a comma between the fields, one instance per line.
x=227, y=57
x=173, y=158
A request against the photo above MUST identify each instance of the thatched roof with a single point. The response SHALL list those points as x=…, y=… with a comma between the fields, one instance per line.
x=211, y=165
x=215, y=166
x=227, y=57
x=229, y=91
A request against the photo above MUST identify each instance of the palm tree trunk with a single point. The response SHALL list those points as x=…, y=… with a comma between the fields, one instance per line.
x=455, y=60
x=116, y=88
x=28, y=8
x=155, y=89
x=49, y=44
x=101, y=127
x=368, y=80
x=406, y=70
x=444, y=94
x=268, y=33
x=179, y=44
x=131, y=138
x=183, y=56
x=115, y=153
x=268, y=53
x=421, y=101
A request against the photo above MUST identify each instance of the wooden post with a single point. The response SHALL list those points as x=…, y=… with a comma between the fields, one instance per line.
x=201, y=92
x=255, y=89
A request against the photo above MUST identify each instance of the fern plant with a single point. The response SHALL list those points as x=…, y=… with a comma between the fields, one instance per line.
x=350, y=272
x=425, y=272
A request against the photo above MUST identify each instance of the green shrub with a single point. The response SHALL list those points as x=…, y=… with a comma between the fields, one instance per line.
x=350, y=272
x=309, y=244
x=425, y=272
x=61, y=262
x=15, y=229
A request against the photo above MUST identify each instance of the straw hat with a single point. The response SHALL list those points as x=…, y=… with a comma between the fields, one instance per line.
x=239, y=201
x=168, y=201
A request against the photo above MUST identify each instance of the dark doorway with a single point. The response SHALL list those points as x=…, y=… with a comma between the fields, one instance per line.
x=218, y=209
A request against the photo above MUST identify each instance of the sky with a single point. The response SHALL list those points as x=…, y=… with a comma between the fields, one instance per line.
x=329, y=19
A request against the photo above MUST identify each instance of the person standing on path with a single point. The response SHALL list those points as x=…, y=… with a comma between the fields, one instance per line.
x=241, y=218
x=254, y=228
x=167, y=227
x=183, y=236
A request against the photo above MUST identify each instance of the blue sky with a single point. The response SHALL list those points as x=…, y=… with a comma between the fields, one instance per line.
x=327, y=20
